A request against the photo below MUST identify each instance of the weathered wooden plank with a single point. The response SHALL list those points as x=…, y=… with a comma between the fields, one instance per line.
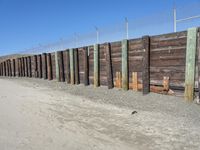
x=109, y=67
x=61, y=66
x=22, y=67
x=198, y=62
x=76, y=66
x=8, y=67
x=27, y=70
x=44, y=65
x=30, y=66
x=67, y=67
x=36, y=66
x=57, y=66
x=96, y=65
x=146, y=65
x=86, y=67
x=40, y=65
x=135, y=81
x=190, y=63
x=18, y=67
x=72, y=78
x=14, y=69
x=5, y=72
x=49, y=67
x=125, y=79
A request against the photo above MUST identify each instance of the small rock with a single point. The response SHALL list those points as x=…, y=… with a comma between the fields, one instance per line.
x=134, y=112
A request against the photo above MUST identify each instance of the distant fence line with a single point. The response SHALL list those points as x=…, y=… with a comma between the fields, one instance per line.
x=158, y=64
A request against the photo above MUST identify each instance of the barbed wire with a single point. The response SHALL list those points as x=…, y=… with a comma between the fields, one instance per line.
x=161, y=22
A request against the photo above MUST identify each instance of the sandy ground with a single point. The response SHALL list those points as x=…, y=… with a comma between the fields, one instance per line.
x=42, y=115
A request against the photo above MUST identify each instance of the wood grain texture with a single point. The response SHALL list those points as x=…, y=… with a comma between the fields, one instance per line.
x=190, y=64
x=146, y=65
x=109, y=72
x=125, y=78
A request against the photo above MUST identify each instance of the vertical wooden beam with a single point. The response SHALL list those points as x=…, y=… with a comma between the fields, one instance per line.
x=86, y=67
x=109, y=66
x=30, y=66
x=21, y=67
x=49, y=67
x=190, y=63
x=0, y=70
x=14, y=68
x=44, y=64
x=72, y=66
x=36, y=66
x=23, y=64
x=4, y=68
x=198, y=62
x=40, y=65
x=125, y=79
x=61, y=67
x=57, y=66
x=146, y=65
x=76, y=66
x=18, y=67
x=67, y=68
x=26, y=66
x=8, y=68
x=96, y=65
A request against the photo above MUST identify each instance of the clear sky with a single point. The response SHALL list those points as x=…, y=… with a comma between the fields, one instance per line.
x=26, y=23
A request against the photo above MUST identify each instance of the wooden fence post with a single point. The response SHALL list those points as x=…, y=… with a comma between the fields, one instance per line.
x=40, y=66
x=198, y=62
x=14, y=69
x=0, y=70
x=190, y=63
x=18, y=67
x=67, y=68
x=146, y=65
x=86, y=67
x=72, y=66
x=30, y=66
x=5, y=72
x=8, y=67
x=36, y=66
x=27, y=67
x=96, y=65
x=61, y=66
x=125, y=78
x=57, y=66
x=21, y=67
x=49, y=66
x=76, y=66
x=44, y=64
x=23, y=64
x=109, y=67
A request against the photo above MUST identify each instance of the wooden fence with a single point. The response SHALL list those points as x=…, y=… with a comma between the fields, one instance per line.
x=147, y=64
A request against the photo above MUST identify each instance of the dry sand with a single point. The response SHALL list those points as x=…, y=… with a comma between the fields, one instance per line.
x=42, y=115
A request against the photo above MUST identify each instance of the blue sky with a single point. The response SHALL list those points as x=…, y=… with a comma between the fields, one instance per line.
x=27, y=23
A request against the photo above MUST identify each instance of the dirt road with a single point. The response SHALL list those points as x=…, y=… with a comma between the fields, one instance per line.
x=42, y=115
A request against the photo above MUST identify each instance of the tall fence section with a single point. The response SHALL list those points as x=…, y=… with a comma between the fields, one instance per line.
x=161, y=64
